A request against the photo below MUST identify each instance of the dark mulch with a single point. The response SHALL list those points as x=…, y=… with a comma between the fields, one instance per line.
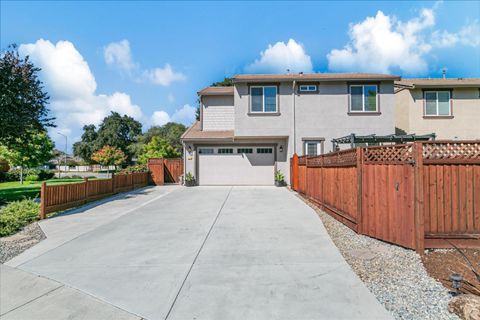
x=440, y=264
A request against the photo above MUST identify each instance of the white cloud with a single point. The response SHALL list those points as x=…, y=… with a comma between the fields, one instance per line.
x=381, y=43
x=171, y=98
x=159, y=118
x=185, y=115
x=72, y=87
x=164, y=76
x=282, y=56
x=118, y=54
x=469, y=35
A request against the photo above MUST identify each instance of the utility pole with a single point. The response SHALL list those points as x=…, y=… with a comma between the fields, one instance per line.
x=65, y=155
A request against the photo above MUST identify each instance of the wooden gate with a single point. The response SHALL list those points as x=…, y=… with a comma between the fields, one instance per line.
x=165, y=170
x=388, y=194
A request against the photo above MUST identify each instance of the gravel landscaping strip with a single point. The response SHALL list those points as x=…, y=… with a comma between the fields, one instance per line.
x=396, y=276
x=15, y=244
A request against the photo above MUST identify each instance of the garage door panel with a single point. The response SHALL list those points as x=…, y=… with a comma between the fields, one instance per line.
x=236, y=169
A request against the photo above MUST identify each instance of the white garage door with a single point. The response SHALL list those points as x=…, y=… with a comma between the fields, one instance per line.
x=236, y=165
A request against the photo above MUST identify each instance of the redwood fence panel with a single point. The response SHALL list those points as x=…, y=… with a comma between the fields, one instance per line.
x=165, y=170
x=414, y=195
x=65, y=196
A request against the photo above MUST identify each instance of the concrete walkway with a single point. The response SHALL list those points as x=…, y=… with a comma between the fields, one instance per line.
x=199, y=253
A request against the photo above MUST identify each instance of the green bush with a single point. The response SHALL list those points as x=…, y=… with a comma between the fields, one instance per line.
x=42, y=174
x=135, y=168
x=32, y=177
x=16, y=215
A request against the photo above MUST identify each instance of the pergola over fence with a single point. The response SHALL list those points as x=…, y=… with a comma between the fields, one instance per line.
x=419, y=195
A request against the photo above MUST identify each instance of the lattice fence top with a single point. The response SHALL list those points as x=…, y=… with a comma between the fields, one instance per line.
x=339, y=158
x=389, y=154
x=302, y=160
x=452, y=151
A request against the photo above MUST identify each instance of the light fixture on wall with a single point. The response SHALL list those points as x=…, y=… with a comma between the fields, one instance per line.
x=280, y=148
x=189, y=149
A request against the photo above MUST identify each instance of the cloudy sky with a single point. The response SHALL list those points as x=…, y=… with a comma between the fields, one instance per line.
x=148, y=59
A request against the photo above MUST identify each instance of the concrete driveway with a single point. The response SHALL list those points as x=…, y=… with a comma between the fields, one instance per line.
x=189, y=253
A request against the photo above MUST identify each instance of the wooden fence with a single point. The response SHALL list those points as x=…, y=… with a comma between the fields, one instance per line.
x=165, y=170
x=420, y=195
x=65, y=196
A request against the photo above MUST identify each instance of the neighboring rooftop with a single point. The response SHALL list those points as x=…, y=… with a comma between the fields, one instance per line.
x=439, y=82
x=313, y=77
x=195, y=133
x=216, y=91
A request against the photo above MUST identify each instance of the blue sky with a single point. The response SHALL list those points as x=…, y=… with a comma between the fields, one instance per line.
x=148, y=59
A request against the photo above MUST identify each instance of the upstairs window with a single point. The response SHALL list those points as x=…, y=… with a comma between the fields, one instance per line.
x=264, y=99
x=363, y=98
x=437, y=103
x=307, y=88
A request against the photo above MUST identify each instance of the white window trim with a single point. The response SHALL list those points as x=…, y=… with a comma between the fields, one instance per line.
x=363, y=98
x=263, y=100
x=319, y=145
x=306, y=88
x=436, y=105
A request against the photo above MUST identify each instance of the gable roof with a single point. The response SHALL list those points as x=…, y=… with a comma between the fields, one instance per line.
x=439, y=83
x=314, y=77
x=216, y=91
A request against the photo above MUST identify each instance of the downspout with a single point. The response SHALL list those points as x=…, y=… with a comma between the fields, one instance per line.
x=294, y=127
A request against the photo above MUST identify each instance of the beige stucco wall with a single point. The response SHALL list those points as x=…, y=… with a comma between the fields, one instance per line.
x=465, y=123
x=217, y=113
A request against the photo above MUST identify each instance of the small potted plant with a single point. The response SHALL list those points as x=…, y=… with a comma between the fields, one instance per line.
x=189, y=180
x=279, y=179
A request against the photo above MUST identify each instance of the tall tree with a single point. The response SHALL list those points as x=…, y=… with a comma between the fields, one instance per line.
x=87, y=146
x=23, y=101
x=227, y=82
x=36, y=150
x=170, y=131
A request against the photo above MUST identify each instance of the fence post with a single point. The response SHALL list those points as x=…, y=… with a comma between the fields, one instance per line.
x=85, y=180
x=113, y=182
x=132, y=186
x=419, y=198
x=294, y=183
x=359, y=189
x=43, y=197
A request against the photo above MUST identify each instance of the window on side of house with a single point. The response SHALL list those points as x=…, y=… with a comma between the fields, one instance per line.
x=264, y=150
x=205, y=150
x=437, y=103
x=313, y=147
x=263, y=99
x=308, y=88
x=225, y=150
x=363, y=98
x=244, y=150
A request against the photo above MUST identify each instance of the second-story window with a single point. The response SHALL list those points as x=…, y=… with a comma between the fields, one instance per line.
x=307, y=88
x=437, y=103
x=264, y=99
x=363, y=98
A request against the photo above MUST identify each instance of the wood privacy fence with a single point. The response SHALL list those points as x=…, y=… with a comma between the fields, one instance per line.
x=165, y=170
x=420, y=195
x=65, y=196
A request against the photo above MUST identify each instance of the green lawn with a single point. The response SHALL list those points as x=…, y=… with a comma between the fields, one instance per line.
x=11, y=191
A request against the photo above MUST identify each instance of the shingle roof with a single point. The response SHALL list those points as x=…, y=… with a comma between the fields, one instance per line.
x=195, y=133
x=440, y=82
x=216, y=91
x=314, y=77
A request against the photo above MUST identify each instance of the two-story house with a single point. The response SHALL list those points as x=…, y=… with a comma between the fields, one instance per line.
x=251, y=129
x=450, y=107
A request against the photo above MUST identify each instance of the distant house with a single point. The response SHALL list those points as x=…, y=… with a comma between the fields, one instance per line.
x=251, y=129
x=450, y=107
